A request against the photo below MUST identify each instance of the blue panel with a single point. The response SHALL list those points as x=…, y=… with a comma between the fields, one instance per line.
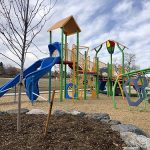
x=102, y=85
x=31, y=80
x=68, y=85
x=15, y=81
x=34, y=73
x=139, y=88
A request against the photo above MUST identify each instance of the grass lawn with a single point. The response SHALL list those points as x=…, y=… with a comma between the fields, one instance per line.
x=43, y=84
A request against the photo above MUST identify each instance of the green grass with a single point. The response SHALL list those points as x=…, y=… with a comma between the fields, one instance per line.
x=4, y=80
x=43, y=84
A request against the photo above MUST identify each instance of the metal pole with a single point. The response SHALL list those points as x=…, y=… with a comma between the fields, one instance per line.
x=113, y=95
x=15, y=94
x=140, y=71
x=85, y=63
x=32, y=88
x=123, y=70
x=97, y=69
x=49, y=74
x=122, y=52
x=97, y=77
x=61, y=66
x=77, y=65
x=65, y=73
x=129, y=85
x=110, y=71
x=108, y=83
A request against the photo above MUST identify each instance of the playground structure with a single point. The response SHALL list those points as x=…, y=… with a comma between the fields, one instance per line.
x=87, y=78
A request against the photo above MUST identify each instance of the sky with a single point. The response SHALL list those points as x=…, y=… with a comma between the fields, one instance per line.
x=125, y=21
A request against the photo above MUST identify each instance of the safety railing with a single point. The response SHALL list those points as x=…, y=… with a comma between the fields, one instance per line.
x=71, y=56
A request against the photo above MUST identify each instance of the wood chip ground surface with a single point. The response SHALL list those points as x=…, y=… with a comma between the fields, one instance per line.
x=65, y=133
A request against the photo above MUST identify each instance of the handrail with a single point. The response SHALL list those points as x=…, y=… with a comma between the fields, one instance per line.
x=39, y=96
x=5, y=90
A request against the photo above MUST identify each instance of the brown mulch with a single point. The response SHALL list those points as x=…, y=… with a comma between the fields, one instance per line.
x=65, y=133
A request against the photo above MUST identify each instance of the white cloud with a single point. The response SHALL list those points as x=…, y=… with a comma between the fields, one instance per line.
x=123, y=6
x=100, y=20
x=142, y=16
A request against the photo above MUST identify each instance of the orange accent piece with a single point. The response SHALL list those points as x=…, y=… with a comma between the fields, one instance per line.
x=93, y=93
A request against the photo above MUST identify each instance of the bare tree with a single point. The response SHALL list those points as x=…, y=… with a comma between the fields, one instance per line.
x=116, y=65
x=130, y=62
x=2, y=68
x=21, y=21
x=10, y=70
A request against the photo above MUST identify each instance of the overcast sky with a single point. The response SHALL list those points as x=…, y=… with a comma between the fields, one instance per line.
x=126, y=21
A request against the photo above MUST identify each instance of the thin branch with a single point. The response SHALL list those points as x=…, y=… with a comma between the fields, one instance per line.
x=35, y=12
x=10, y=41
x=19, y=19
x=38, y=9
x=12, y=51
x=10, y=59
x=20, y=35
x=9, y=20
x=39, y=49
x=33, y=54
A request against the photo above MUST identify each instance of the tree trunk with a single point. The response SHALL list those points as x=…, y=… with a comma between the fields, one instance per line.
x=19, y=101
x=22, y=67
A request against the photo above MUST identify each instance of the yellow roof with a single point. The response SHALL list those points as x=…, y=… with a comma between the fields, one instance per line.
x=69, y=24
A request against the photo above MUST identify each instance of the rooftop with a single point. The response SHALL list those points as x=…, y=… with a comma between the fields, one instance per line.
x=69, y=24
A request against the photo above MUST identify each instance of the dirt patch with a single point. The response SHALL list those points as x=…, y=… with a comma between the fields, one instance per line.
x=65, y=133
x=102, y=104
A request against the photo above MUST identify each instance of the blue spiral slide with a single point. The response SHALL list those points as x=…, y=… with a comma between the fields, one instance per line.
x=34, y=73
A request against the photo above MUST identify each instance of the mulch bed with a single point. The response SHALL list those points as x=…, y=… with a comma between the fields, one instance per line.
x=65, y=133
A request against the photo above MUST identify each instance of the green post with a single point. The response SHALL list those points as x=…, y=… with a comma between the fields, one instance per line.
x=65, y=80
x=61, y=66
x=129, y=86
x=77, y=64
x=49, y=74
x=122, y=52
x=85, y=75
x=108, y=85
x=123, y=69
x=97, y=77
x=110, y=79
x=97, y=70
x=113, y=95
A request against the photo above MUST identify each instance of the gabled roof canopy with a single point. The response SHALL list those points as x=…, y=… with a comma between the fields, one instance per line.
x=69, y=24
